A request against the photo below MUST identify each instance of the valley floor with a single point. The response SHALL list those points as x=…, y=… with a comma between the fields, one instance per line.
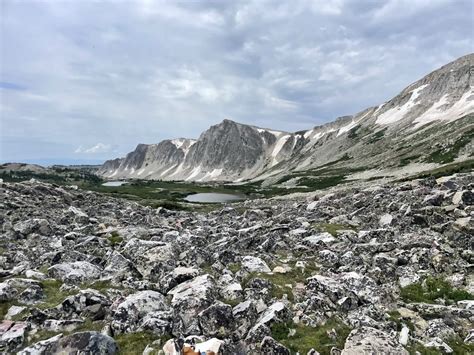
x=373, y=269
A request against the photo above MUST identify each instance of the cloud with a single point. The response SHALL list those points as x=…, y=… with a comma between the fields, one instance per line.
x=98, y=148
x=131, y=72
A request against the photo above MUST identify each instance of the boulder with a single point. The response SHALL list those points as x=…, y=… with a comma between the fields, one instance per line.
x=217, y=320
x=12, y=335
x=254, y=264
x=271, y=346
x=42, y=347
x=127, y=316
x=189, y=299
x=367, y=340
x=75, y=272
x=87, y=343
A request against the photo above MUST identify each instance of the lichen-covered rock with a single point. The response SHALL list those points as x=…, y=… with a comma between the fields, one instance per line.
x=47, y=346
x=366, y=340
x=75, y=272
x=254, y=264
x=127, y=316
x=189, y=299
x=7, y=292
x=271, y=346
x=12, y=335
x=87, y=343
x=217, y=320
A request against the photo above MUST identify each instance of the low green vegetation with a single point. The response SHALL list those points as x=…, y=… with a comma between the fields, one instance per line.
x=407, y=160
x=115, y=238
x=87, y=326
x=283, y=283
x=431, y=289
x=135, y=343
x=234, y=267
x=455, y=343
x=396, y=317
x=450, y=169
x=449, y=153
x=320, y=183
x=322, y=338
x=53, y=293
x=5, y=306
x=331, y=228
x=376, y=136
x=56, y=175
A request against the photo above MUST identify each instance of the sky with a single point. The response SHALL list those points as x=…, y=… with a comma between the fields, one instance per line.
x=85, y=81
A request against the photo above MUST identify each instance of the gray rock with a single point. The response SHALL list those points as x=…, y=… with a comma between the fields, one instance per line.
x=12, y=335
x=75, y=272
x=87, y=343
x=217, y=320
x=254, y=264
x=271, y=346
x=129, y=313
x=368, y=340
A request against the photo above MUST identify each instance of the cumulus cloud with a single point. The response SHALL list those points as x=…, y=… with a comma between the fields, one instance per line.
x=131, y=72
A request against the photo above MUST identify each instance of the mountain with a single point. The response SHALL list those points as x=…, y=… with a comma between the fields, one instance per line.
x=430, y=122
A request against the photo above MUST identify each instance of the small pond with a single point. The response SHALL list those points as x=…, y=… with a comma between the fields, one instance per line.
x=114, y=183
x=213, y=197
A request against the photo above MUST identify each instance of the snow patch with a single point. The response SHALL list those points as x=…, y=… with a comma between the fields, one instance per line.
x=397, y=113
x=347, y=128
x=178, y=143
x=167, y=170
x=275, y=133
x=141, y=171
x=194, y=173
x=437, y=113
x=308, y=133
x=279, y=145
x=216, y=173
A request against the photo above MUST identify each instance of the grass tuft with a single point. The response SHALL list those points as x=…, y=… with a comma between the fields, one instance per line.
x=431, y=289
x=307, y=338
x=331, y=228
x=135, y=343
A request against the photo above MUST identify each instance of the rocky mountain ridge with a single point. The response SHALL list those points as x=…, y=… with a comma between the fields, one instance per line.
x=437, y=108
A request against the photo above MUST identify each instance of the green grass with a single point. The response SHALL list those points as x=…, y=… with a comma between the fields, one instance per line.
x=135, y=343
x=431, y=289
x=5, y=306
x=115, y=238
x=331, y=228
x=234, y=267
x=307, y=338
x=53, y=294
x=231, y=303
x=283, y=283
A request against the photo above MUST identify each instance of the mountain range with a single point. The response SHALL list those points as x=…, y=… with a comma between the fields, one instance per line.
x=431, y=122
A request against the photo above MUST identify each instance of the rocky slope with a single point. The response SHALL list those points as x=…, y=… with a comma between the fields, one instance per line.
x=429, y=122
x=385, y=269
